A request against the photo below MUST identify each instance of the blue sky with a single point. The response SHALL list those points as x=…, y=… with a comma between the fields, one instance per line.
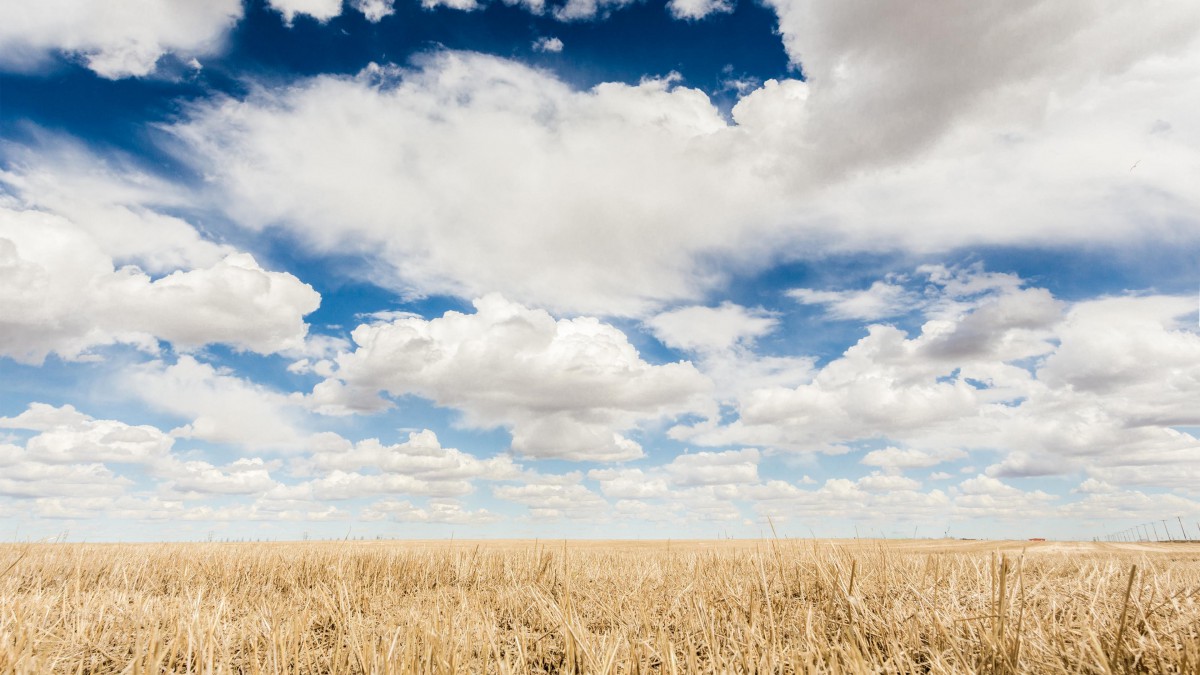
x=597, y=268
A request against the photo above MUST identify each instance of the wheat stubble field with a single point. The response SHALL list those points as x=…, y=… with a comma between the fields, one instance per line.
x=600, y=607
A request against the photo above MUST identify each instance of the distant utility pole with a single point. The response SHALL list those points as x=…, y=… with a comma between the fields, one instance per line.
x=1169, y=537
x=1155, y=531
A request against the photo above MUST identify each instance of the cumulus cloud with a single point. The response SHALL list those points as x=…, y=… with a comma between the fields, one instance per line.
x=437, y=511
x=321, y=10
x=935, y=65
x=714, y=468
x=698, y=9
x=698, y=328
x=548, y=44
x=374, y=10
x=654, y=178
x=246, y=476
x=548, y=234
x=114, y=39
x=629, y=483
x=216, y=405
x=76, y=450
x=722, y=340
x=566, y=388
x=586, y=10
x=556, y=500
x=67, y=435
x=892, y=458
x=61, y=293
x=1101, y=386
x=421, y=460
x=881, y=300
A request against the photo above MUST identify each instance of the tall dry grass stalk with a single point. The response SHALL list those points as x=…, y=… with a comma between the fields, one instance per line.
x=519, y=607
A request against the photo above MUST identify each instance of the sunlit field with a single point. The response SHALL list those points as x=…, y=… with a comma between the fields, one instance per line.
x=600, y=607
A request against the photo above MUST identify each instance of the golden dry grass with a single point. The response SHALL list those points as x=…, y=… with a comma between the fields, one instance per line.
x=600, y=607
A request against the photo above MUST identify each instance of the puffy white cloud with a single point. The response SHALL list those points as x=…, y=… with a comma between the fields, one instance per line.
x=698, y=9
x=722, y=338
x=892, y=84
x=548, y=44
x=114, y=39
x=121, y=209
x=60, y=292
x=38, y=479
x=438, y=511
x=67, y=436
x=878, y=482
x=881, y=300
x=1103, y=386
x=217, y=405
x=244, y=476
x=566, y=388
x=555, y=500
x=421, y=457
x=629, y=483
x=698, y=328
x=452, y=216
x=893, y=458
x=984, y=496
x=653, y=178
x=71, y=453
x=583, y=10
x=321, y=10
x=714, y=468
x=374, y=10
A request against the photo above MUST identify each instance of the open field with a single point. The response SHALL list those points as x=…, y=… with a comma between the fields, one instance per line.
x=629, y=607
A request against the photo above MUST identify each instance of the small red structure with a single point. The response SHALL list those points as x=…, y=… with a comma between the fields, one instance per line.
x=1037, y=539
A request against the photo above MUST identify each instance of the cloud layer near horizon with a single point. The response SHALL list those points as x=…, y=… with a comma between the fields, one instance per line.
x=629, y=341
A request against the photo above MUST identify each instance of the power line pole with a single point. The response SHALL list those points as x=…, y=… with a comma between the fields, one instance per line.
x=1169, y=537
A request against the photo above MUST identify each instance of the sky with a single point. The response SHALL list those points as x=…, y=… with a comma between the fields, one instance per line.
x=285, y=269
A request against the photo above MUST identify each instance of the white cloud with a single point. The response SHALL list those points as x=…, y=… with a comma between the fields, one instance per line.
x=698, y=9
x=217, y=406
x=75, y=236
x=722, y=338
x=566, y=389
x=114, y=39
x=641, y=176
x=548, y=44
x=878, y=482
x=67, y=436
x=881, y=300
x=653, y=178
x=1105, y=387
x=931, y=66
x=321, y=10
x=244, y=476
x=714, y=468
x=586, y=10
x=69, y=457
x=36, y=479
x=374, y=10
x=122, y=209
x=438, y=511
x=983, y=496
x=629, y=483
x=420, y=457
x=553, y=500
x=893, y=458
x=698, y=328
